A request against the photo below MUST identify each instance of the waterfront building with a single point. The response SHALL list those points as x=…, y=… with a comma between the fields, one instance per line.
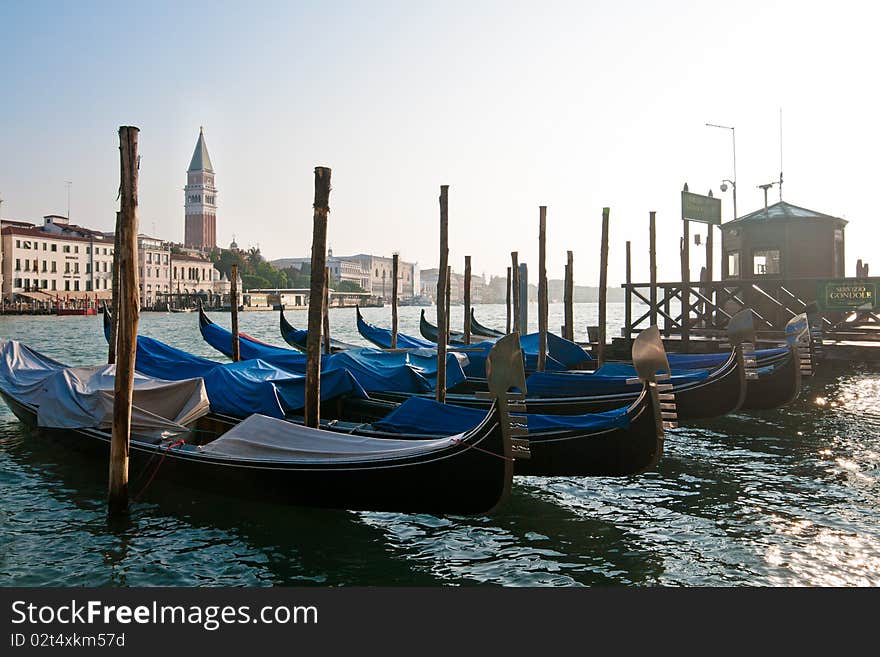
x=55, y=260
x=154, y=267
x=371, y=273
x=200, y=194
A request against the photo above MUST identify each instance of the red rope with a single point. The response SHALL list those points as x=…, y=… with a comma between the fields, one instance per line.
x=480, y=449
x=177, y=443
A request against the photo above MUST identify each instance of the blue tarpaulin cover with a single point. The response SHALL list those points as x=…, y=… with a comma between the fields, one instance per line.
x=373, y=369
x=428, y=417
x=710, y=361
x=251, y=386
x=609, y=380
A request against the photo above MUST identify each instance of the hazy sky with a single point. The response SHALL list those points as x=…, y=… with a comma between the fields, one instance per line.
x=573, y=105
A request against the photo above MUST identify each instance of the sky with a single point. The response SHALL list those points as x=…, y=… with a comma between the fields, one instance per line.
x=573, y=105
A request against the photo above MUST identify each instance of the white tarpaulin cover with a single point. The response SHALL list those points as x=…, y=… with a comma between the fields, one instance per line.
x=261, y=437
x=82, y=397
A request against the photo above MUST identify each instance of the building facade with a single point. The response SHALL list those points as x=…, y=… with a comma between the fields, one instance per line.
x=58, y=259
x=154, y=267
x=200, y=230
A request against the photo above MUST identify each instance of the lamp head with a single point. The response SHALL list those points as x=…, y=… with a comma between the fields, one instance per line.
x=723, y=187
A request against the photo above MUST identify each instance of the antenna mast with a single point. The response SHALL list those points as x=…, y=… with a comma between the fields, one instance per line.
x=780, y=153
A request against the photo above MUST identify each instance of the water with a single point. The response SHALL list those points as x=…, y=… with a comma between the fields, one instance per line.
x=785, y=497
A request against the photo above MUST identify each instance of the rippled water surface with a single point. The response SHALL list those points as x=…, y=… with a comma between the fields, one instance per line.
x=785, y=497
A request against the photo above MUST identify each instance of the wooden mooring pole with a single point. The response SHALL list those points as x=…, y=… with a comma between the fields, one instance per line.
x=603, y=288
x=326, y=333
x=568, y=297
x=514, y=292
x=233, y=306
x=448, y=301
x=685, y=279
x=114, y=300
x=394, y=266
x=127, y=314
x=442, y=288
x=652, y=265
x=312, y=410
x=509, y=283
x=467, y=299
x=542, y=287
x=627, y=320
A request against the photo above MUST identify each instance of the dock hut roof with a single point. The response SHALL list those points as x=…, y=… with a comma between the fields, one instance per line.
x=782, y=211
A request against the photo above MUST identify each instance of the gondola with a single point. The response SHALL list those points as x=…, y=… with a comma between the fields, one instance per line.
x=269, y=459
x=382, y=337
x=297, y=338
x=429, y=332
x=624, y=441
x=479, y=329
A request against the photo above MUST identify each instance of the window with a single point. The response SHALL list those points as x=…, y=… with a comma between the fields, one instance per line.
x=66, y=267
x=54, y=286
x=88, y=249
x=45, y=263
x=66, y=248
x=149, y=272
x=44, y=284
x=76, y=249
x=18, y=245
x=88, y=268
x=105, y=251
x=88, y=286
x=44, y=246
x=733, y=263
x=17, y=282
x=766, y=261
x=54, y=248
x=18, y=264
x=76, y=286
x=149, y=257
x=54, y=267
x=75, y=267
x=27, y=265
x=67, y=286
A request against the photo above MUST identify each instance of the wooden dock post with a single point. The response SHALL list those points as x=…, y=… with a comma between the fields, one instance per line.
x=467, y=299
x=114, y=299
x=394, y=265
x=524, y=296
x=312, y=410
x=627, y=320
x=127, y=314
x=514, y=291
x=448, y=301
x=603, y=287
x=442, y=294
x=568, y=297
x=509, y=284
x=542, y=287
x=233, y=306
x=326, y=333
x=652, y=266
x=685, y=279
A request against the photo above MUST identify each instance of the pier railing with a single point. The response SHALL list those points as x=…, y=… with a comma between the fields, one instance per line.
x=704, y=308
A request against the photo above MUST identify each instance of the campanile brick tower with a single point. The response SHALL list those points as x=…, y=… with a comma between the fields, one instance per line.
x=201, y=200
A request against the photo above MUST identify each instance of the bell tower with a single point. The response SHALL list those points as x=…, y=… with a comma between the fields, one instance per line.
x=200, y=196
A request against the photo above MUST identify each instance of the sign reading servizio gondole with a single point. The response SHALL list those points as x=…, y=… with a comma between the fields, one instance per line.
x=846, y=295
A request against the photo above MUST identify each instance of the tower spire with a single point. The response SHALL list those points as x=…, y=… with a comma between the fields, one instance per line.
x=201, y=199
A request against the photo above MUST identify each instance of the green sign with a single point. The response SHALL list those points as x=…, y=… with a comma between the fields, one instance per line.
x=697, y=207
x=843, y=294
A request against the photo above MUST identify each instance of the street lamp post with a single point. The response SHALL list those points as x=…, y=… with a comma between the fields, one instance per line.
x=732, y=182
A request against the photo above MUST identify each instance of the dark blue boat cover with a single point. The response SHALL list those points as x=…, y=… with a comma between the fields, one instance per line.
x=561, y=353
x=609, y=380
x=711, y=361
x=243, y=388
x=382, y=337
x=373, y=369
x=419, y=415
